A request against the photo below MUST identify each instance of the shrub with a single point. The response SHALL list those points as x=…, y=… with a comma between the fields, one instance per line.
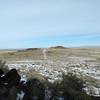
x=71, y=88
x=3, y=66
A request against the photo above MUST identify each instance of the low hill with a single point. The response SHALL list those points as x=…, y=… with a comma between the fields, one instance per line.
x=58, y=47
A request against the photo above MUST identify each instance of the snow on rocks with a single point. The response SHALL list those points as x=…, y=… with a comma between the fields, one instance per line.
x=54, y=69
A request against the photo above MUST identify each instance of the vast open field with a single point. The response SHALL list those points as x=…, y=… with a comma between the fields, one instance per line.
x=89, y=54
x=52, y=62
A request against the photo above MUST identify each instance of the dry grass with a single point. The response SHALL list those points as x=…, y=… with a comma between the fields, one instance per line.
x=53, y=53
x=22, y=55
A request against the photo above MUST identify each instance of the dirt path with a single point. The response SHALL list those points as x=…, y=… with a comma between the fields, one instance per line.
x=44, y=52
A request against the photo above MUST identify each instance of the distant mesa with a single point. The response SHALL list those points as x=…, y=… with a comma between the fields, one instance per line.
x=32, y=49
x=58, y=47
x=28, y=49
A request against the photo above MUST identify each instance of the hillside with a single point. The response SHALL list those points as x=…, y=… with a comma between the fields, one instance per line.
x=84, y=62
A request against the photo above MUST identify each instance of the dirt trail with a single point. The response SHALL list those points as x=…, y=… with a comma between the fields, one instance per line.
x=44, y=52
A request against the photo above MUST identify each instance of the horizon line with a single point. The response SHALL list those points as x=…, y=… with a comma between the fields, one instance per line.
x=84, y=46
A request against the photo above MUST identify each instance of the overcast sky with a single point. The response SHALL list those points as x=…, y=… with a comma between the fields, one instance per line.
x=44, y=23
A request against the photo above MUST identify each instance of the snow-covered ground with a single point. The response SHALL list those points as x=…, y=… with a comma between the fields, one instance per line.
x=54, y=69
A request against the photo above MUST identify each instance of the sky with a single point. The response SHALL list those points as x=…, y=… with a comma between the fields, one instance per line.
x=45, y=23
